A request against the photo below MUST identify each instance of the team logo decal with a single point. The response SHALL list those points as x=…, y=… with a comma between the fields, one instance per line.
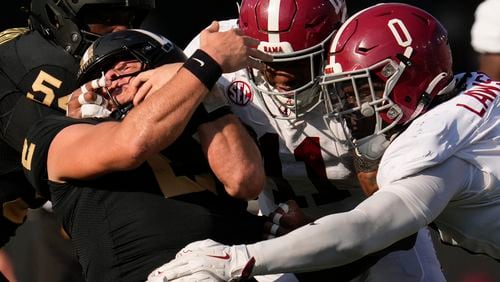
x=239, y=93
x=87, y=59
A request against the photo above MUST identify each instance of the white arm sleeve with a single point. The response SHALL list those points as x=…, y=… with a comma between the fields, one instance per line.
x=391, y=214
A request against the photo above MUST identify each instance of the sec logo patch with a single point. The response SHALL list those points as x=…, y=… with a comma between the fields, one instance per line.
x=239, y=93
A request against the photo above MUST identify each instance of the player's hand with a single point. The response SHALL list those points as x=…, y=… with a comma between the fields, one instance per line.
x=231, y=49
x=287, y=217
x=206, y=259
x=86, y=102
x=148, y=82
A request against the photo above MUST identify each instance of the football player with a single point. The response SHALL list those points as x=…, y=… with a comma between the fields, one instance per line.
x=306, y=157
x=37, y=71
x=107, y=178
x=389, y=77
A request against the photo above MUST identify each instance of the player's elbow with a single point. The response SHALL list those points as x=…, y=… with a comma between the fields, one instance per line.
x=134, y=153
x=246, y=184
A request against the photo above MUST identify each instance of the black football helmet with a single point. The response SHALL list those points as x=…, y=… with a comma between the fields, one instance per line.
x=150, y=49
x=65, y=22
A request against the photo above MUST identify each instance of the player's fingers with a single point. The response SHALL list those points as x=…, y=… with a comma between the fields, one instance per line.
x=260, y=55
x=278, y=213
x=213, y=27
x=276, y=217
x=90, y=98
x=256, y=64
x=198, y=276
x=292, y=205
x=142, y=93
x=249, y=41
x=272, y=230
x=171, y=270
x=94, y=84
x=284, y=207
x=238, y=31
x=140, y=79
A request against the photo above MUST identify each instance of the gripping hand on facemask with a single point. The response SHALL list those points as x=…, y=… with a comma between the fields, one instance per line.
x=84, y=102
x=207, y=260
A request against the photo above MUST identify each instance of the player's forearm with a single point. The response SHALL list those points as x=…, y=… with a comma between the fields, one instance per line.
x=233, y=156
x=337, y=239
x=160, y=119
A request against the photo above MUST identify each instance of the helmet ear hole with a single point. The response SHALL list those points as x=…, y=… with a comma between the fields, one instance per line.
x=52, y=18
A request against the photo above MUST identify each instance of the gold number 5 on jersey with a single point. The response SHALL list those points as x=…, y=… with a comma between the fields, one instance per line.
x=27, y=155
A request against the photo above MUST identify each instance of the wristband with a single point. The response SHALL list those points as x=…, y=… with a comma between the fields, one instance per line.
x=204, y=67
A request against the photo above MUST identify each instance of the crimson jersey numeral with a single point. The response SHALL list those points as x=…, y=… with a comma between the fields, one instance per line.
x=309, y=152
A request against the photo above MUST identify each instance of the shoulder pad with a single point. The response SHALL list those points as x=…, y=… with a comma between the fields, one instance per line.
x=11, y=33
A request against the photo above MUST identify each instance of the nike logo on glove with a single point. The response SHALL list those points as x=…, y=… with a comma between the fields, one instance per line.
x=202, y=63
x=225, y=257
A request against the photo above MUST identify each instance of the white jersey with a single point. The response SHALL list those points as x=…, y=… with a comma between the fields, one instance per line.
x=467, y=128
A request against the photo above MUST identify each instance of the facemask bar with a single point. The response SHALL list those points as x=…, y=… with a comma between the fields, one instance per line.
x=123, y=109
x=299, y=106
x=336, y=106
x=278, y=108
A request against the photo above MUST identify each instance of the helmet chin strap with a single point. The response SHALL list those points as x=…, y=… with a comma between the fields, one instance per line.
x=425, y=100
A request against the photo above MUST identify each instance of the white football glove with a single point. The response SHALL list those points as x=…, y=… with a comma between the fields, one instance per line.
x=206, y=260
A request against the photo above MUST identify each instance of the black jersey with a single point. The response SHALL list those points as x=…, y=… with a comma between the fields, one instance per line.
x=125, y=224
x=35, y=77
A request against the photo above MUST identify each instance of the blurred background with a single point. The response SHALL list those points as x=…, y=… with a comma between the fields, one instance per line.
x=180, y=21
